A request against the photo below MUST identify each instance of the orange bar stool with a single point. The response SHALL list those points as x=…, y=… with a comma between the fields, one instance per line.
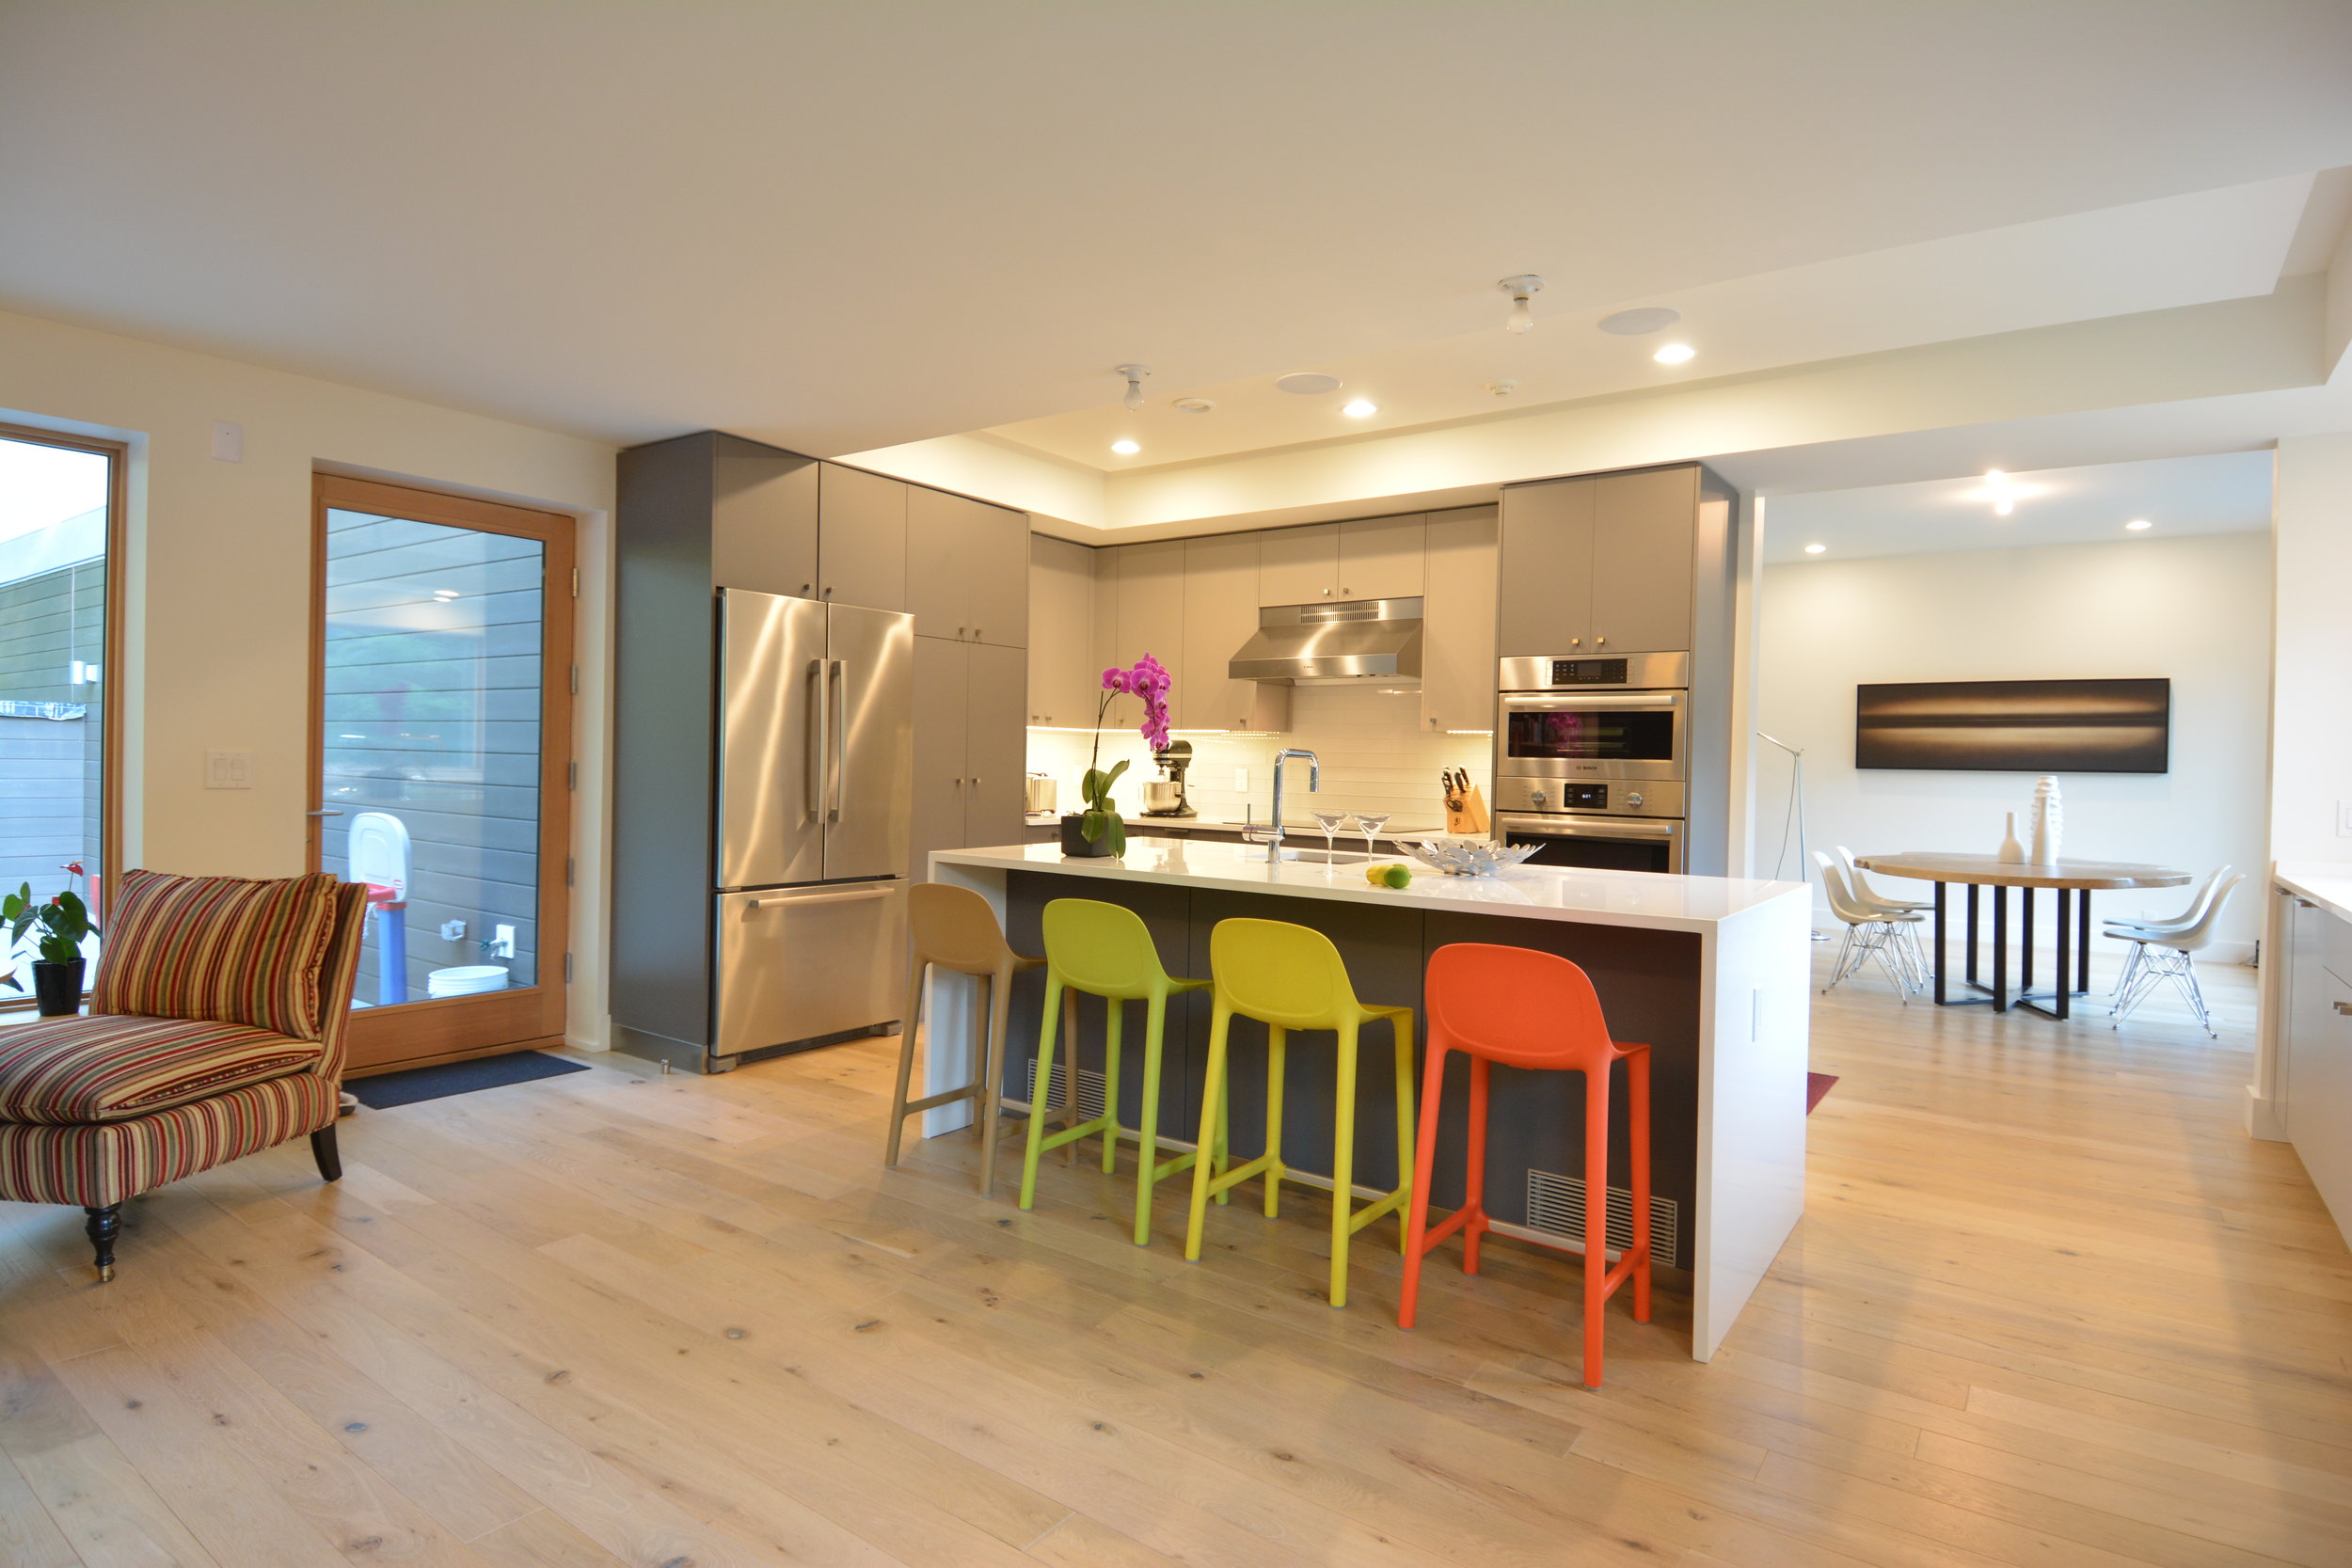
x=1536, y=1010
x=954, y=927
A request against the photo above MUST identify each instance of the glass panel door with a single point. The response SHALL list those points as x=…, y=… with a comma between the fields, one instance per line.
x=440, y=763
x=58, y=512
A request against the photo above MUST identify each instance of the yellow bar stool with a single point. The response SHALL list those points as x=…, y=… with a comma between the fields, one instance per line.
x=954, y=927
x=1292, y=977
x=1105, y=950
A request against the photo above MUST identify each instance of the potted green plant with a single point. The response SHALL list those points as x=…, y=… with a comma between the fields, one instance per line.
x=61, y=923
x=1098, y=829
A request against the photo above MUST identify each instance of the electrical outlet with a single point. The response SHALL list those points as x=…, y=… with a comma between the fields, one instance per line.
x=502, y=942
x=2344, y=819
x=227, y=442
x=1241, y=780
x=452, y=930
x=228, y=769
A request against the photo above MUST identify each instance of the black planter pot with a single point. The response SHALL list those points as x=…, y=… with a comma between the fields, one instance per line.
x=57, y=987
x=1073, y=839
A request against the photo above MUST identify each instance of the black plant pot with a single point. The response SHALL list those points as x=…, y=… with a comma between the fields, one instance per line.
x=1073, y=839
x=57, y=987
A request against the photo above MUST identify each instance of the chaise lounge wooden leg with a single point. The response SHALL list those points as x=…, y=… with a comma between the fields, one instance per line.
x=323, y=1150
x=102, y=1227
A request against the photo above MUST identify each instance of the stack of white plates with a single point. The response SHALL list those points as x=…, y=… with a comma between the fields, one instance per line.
x=466, y=980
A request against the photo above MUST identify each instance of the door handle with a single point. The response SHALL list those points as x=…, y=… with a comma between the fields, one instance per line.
x=840, y=738
x=812, y=766
x=2345, y=1007
x=857, y=898
x=322, y=814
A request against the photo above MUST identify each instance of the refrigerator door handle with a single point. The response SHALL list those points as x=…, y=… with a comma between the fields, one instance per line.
x=840, y=740
x=822, y=898
x=813, y=759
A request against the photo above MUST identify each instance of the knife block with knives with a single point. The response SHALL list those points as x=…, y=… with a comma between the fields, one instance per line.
x=1465, y=807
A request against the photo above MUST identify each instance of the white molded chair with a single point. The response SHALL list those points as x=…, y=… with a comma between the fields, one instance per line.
x=1907, y=939
x=2136, y=931
x=1871, y=932
x=2157, y=956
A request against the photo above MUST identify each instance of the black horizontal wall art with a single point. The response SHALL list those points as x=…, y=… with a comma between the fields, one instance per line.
x=2015, y=726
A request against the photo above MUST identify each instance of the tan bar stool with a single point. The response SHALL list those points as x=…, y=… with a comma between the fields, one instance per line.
x=954, y=928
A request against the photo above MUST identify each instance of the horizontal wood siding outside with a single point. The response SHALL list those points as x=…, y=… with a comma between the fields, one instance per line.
x=431, y=715
x=51, y=770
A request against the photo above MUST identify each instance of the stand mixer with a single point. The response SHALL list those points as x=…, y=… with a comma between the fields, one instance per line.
x=1165, y=797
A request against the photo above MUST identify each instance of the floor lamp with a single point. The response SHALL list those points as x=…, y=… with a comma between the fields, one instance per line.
x=1795, y=816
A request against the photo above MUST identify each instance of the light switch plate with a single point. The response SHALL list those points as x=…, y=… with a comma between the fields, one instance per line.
x=2344, y=819
x=228, y=769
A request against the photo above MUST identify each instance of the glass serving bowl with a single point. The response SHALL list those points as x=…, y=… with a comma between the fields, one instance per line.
x=1469, y=857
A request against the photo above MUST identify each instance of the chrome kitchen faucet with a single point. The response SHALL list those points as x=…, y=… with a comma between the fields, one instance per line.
x=1314, y=782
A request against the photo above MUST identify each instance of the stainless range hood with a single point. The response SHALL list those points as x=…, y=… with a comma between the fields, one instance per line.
x=1333, y=644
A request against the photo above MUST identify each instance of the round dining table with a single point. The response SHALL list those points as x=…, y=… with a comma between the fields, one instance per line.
x=2073, y=881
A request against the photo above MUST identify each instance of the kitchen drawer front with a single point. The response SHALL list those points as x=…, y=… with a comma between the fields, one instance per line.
x=2335, y=942
x=801, y=964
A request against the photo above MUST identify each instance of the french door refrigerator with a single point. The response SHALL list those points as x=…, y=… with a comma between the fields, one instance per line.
x=815, y=799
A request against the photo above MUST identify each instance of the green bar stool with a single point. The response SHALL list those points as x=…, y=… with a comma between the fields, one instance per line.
x=1105, y=950
x=1290, y=977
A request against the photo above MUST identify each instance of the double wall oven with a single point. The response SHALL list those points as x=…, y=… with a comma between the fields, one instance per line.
x=1591, y=759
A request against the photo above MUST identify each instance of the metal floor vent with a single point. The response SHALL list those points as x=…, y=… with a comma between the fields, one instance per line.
x=1089, y=1090
x=1555, y=1203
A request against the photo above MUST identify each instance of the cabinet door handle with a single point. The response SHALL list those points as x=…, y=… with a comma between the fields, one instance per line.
x=2345, y=1007
x=1576, y=641
x=1600, y=642
x=2304, y=903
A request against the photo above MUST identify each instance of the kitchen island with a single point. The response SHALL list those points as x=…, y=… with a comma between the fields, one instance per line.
x=1712, y=972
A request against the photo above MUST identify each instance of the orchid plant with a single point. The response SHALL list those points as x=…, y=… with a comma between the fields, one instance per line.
x=1150, y=681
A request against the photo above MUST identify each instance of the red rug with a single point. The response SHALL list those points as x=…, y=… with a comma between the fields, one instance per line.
x=1816, y=1085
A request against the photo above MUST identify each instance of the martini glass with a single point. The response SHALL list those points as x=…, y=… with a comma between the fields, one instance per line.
x=1330, y=821
x=1370, y=823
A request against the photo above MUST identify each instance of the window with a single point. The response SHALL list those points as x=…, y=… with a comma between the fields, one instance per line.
x=60, y=511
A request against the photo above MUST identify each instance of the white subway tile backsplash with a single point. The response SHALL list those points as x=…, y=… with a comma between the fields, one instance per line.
x=1374, y=757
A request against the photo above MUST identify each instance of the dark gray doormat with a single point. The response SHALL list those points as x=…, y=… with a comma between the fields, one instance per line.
x=447, y=1078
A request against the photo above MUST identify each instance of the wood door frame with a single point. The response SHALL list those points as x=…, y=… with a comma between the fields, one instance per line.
x=110, y=679
x=455, y=1027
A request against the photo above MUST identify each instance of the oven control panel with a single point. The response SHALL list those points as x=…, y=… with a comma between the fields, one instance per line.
x=1618, y=798
x=1588, y=672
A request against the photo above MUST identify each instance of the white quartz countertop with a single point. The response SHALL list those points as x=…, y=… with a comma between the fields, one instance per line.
x=1632, y=898
x=2327, y=883
x=1235, y=824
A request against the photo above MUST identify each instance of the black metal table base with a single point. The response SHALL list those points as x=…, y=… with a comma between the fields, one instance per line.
x=2074, y=953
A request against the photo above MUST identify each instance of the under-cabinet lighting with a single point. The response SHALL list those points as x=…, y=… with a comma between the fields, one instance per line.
x=1470, y=732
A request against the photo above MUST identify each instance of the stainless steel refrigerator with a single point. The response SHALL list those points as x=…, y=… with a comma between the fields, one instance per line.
x=815, y=799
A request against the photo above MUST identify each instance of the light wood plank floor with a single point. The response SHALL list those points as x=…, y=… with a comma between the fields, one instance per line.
x=2049, y=1308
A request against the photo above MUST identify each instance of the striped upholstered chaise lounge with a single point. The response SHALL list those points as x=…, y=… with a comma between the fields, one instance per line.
x=215, y=1029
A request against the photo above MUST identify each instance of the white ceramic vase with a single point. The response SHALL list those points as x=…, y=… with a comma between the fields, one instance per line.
x=2049, y=820
x=2012, y=852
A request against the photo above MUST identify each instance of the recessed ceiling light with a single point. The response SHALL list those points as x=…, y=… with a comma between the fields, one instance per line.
x=1499, y=389
x=1674, y=354
x=2003, y=491
x=1194, y=405
x=1125, y=449
x=1634, y=323
x=1814, y=550
x=1361, y=408
x=1308, y=384
x=2139, y=525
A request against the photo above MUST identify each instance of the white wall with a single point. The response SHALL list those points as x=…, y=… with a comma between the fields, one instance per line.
x=1374, y=757
x=2311, y=746
x=2196, y=610
x=217, y=586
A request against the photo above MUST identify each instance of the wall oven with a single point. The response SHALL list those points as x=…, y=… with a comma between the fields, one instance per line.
x=1591, y=759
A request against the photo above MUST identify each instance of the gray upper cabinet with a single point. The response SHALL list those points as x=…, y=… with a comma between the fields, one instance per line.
x=1152, y=606
x=1380, y=558
x=1062, y=663
x=861, y=538
x=1458, y=653
x=1604, y=564
x=1544, y=603
x=1645, y=531
x=1367, y=558
x=763, y=518
x=967, y=568
x=1220, y=614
